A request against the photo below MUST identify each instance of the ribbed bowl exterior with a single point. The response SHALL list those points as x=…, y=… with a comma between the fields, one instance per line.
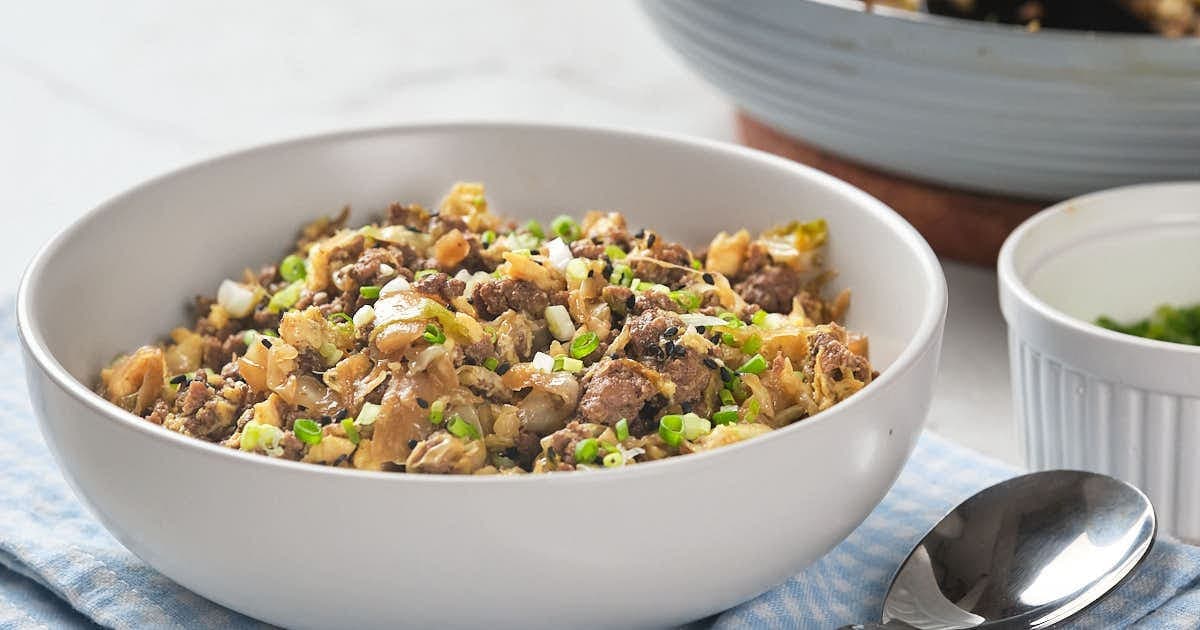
x=1068, y=418
x=982, y=107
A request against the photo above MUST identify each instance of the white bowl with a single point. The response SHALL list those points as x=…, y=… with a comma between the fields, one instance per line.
x=307, y=546
x=979, y=106
x=1091, y=398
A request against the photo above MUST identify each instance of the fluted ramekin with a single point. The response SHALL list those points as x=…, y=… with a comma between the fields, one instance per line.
x=1094, y=399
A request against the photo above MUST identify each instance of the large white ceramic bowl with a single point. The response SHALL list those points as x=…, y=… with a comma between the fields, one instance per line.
x=308, y=546
x=980, y=106
x=1091, y=398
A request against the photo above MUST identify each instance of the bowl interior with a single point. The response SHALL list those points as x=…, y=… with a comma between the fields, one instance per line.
x=123, y=274
x=1119, y=254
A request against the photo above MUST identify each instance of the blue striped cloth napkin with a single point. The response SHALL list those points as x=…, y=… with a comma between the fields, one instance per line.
x=60, y=569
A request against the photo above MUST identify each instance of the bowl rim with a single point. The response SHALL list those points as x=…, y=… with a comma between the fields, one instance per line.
x=1011, y=281
x=964, y=25
x=924, y=340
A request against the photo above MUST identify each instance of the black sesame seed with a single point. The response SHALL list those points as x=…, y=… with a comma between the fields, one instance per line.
x=685, y=407
x=265, y=342
x=715, y=339
x=536, y=252
x=679, y=351
x=342, y=414
x=422, y=403
x=502, y=368
x=701, y=329
x=650, y=240
x=469, y=361
x=630, y=302
x=179, y=379
x=671, y=331
x=708, y=278
x=302, y=407
x=608, y=270
x=324, y=420
x=412, y=444
x=640, y=234
x=597, y=240
x=591, y=273
x=669, y=347
x=413, y=229
x=711, y=363
x=726, y=374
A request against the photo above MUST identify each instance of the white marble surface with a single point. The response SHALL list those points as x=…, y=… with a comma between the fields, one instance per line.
x=95, y=97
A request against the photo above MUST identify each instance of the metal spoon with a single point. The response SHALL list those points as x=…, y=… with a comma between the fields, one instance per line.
x=1026, y=553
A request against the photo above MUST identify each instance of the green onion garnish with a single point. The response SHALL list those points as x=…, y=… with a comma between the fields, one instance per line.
x=343, y=321
x=436, y=411
x=758, y=317
x=488, y=238
x=689, y=300
x=728, y=339
x=270, y=332
x=728, y=414
x=752, y=408
x=670, y=429
x=731, y=320
x=292, y=268
x=752, y=344
x=614, y=459
x=584, y=344
x=566, y=227
x=727, y=397
x=614, y=253
x=307, y=430
x=370, y=291
x=621, y=275
x=368, y=414
x=754, y=365
x=696, y=264
x=351, y=430
x=491, y=363
x=622, y=429
x=433, y=334
x=424, y=272
x=577, y=269
x=535, y=228
x=461, y=428
x=286, y=297
x=250, y=337
x=586, y=450
x=567, y=364
x=694, y=426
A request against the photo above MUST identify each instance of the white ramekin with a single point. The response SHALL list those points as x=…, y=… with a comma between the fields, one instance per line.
x=1093, y=399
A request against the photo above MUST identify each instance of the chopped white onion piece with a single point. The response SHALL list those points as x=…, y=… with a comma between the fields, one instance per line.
x=774, y=320
x=559, y=253
x=368, y=414
x=698, y=319
x=235, y=298
x=364, y=316
x=559, y=321
x=386, y=269
x=427, y=356
x=543, y=362
x=463, y=275
x=394, y=286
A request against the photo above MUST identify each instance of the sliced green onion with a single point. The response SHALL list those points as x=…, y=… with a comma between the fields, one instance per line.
x=622, y=429
x=351, y=430
x=566, y=227
x=567, y=364
x=461, y=428
x=292, y=268
x=370, y=291
x=491, y=363
x=732, y=320
x=621, y=275
x=728, y=414
x=269, y=332
x=433, y=334
x=728, y=339
x=586, y=450
x=694, y=426
x=437, y=411
x=670, y=429
x=727, y=397
x=478, y=201
x=424, y=272
x=752, y=344
x=307, y=430
x=558, y=319
x=286, y=297
x=535, y=228
x=689, y=300
x=614, y=459
x=577, y=269
x=256, y=434
x=368, y=414
x=614, y=253
x=488, y=238
x=250, y=337
x=584, y=344
x=754, y=365
x=758, y=317
x=752, y=409
x=696, y=264
x=343, y=322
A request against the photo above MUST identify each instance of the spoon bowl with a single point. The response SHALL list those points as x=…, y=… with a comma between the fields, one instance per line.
x=1029, y=552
